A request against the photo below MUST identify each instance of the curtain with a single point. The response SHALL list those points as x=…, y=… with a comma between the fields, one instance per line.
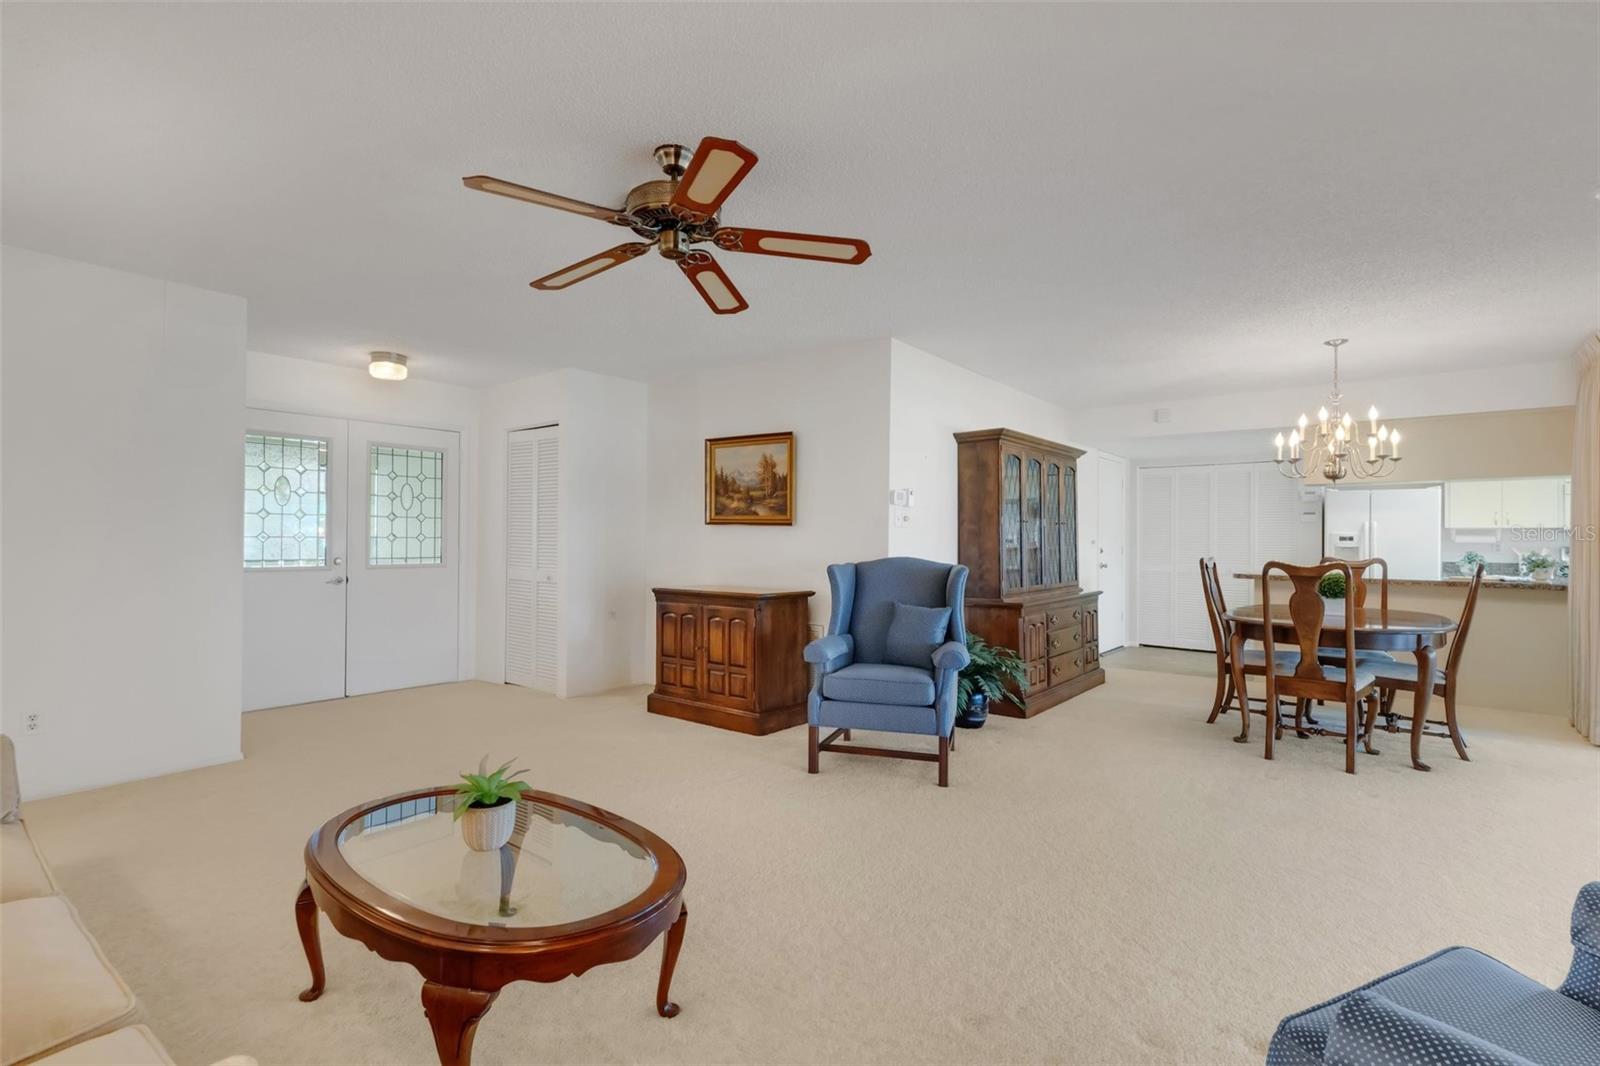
x=1583, y=596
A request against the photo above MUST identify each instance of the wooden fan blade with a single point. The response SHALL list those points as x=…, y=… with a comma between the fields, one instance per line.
x=715, y=171
x=595, y=264
x=484, y=183
x=792, y=245
x=712, y=284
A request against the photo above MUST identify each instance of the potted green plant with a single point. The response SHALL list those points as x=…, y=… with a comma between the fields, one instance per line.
x=1470, y=561
x=1538, y=565
x=1331, y=587
x=486, y=805
x=985, y=679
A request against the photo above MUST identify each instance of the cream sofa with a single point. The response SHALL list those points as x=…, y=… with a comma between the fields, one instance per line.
x=61, y=1003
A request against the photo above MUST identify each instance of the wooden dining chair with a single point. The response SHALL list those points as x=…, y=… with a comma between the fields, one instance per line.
x=1310, y=678
x=1355, y=595
x=1252, y=662
x=1402, y=677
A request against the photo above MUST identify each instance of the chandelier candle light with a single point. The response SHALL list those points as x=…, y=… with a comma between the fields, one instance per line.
x=1332, y=445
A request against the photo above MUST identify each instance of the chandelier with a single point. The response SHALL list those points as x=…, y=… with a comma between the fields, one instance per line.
x=1332, y=445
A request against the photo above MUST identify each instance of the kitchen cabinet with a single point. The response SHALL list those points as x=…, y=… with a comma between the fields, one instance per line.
x=1472, y=504
x=1508, y=503
x=1531, y=501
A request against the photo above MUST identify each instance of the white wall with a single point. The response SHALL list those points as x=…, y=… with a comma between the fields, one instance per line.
x=835, y=401
x=274, y=383
x=1221, y=427
x=930, y=400
x=602, y=560
x=524, y=404
x=603, y=446
x=123, y=593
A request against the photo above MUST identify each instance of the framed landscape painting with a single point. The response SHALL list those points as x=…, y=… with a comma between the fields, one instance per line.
x=750, y=480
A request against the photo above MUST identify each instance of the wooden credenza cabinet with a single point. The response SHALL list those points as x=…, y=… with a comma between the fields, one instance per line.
x=1018, y=534
x=731, y=657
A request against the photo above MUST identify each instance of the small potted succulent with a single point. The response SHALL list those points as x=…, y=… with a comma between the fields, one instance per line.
x=1538, y=565
x=1331, y=587
x=984, y=680
x=486, y=805
x=1470, y=561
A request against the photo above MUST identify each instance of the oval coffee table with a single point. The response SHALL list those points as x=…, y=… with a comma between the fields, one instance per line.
x=576, y=887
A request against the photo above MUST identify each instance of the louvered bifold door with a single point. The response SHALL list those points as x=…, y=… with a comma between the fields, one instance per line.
x=533, y=550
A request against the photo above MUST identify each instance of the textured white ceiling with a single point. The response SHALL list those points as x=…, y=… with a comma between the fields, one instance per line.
x=1099, y=203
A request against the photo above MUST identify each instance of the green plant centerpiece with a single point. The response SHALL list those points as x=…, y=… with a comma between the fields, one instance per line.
x=1538, y=565
x=1469, y=562
x=486, y=805
x=993, y=674
x=1331, y=587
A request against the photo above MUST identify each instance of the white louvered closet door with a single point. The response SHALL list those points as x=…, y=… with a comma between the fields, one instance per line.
x=533, y=557
x=1235, y=524
x=1154, y=611
x=1191, y=541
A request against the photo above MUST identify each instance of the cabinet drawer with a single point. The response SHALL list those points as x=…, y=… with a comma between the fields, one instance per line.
x=1064, y=616
x=1064, y=641
x=1065, y=667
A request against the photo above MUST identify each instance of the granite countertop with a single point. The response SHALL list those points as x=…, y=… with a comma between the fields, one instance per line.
x=1489, y=582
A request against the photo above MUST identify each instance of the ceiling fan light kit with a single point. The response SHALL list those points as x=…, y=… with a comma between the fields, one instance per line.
x=675, y=214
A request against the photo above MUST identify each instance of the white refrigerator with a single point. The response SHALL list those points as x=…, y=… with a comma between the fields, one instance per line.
x=1403, y=526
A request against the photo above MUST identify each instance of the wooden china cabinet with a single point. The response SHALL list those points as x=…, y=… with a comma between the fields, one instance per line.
x=1018, y=504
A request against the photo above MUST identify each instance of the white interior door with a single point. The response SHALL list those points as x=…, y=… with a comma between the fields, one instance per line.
x=533, y=558
x=294, y=559
x=404, y=579
x=1112, y=504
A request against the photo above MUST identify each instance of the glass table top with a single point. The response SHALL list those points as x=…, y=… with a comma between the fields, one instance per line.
x=559, y=866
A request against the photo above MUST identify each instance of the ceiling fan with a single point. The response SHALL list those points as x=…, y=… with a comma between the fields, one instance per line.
x=675, y=214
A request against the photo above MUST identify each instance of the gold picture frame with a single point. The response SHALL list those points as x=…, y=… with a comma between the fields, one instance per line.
x=750, y=480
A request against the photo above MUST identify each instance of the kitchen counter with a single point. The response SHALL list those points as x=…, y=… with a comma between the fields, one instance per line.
x=1489, y=582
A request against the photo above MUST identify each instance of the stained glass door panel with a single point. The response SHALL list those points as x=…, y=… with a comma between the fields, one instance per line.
x=295, y=515
x=404, y=592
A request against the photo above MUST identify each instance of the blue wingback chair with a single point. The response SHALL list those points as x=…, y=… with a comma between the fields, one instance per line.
x=856, y=680
x=1459, y=1007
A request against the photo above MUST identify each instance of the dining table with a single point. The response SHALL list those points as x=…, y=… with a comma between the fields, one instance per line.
x=1420, y=633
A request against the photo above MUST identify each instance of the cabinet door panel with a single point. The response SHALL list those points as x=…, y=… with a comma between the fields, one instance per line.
x=728, y=654
x=678, y=644
x=1472, y=504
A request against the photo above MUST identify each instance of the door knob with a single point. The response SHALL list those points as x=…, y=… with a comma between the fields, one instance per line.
x=334, y=581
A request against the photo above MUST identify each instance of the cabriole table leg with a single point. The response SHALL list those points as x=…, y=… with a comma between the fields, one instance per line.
x=669, y=960
x=454, y=1014
x=305, y=916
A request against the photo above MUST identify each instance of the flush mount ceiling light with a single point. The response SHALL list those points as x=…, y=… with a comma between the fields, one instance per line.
x=1332, y=444
x=674, y=214
x=387, y=366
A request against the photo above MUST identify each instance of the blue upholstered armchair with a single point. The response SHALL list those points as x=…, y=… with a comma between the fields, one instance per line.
x=1459, y=1007
x=896, y=643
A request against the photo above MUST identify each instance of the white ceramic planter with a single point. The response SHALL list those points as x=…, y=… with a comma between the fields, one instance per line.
x=1544, y=574
x=488, y=828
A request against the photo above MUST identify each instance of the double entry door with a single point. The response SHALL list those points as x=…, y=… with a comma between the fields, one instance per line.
x=351, y=557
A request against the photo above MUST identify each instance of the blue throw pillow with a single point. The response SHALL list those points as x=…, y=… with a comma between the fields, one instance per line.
x=914, y=634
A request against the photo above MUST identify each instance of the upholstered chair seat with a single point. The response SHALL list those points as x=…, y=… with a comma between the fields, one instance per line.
x=902, y=686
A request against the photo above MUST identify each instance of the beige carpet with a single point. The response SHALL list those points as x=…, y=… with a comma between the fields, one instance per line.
x=1111, y=882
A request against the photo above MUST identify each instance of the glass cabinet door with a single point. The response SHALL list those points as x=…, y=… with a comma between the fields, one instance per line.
x=1032, y=525
x=1069, y=527
x=1052, y=524
x=1011, y=521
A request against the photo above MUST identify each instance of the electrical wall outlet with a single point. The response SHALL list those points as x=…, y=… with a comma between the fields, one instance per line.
x=32, y=722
